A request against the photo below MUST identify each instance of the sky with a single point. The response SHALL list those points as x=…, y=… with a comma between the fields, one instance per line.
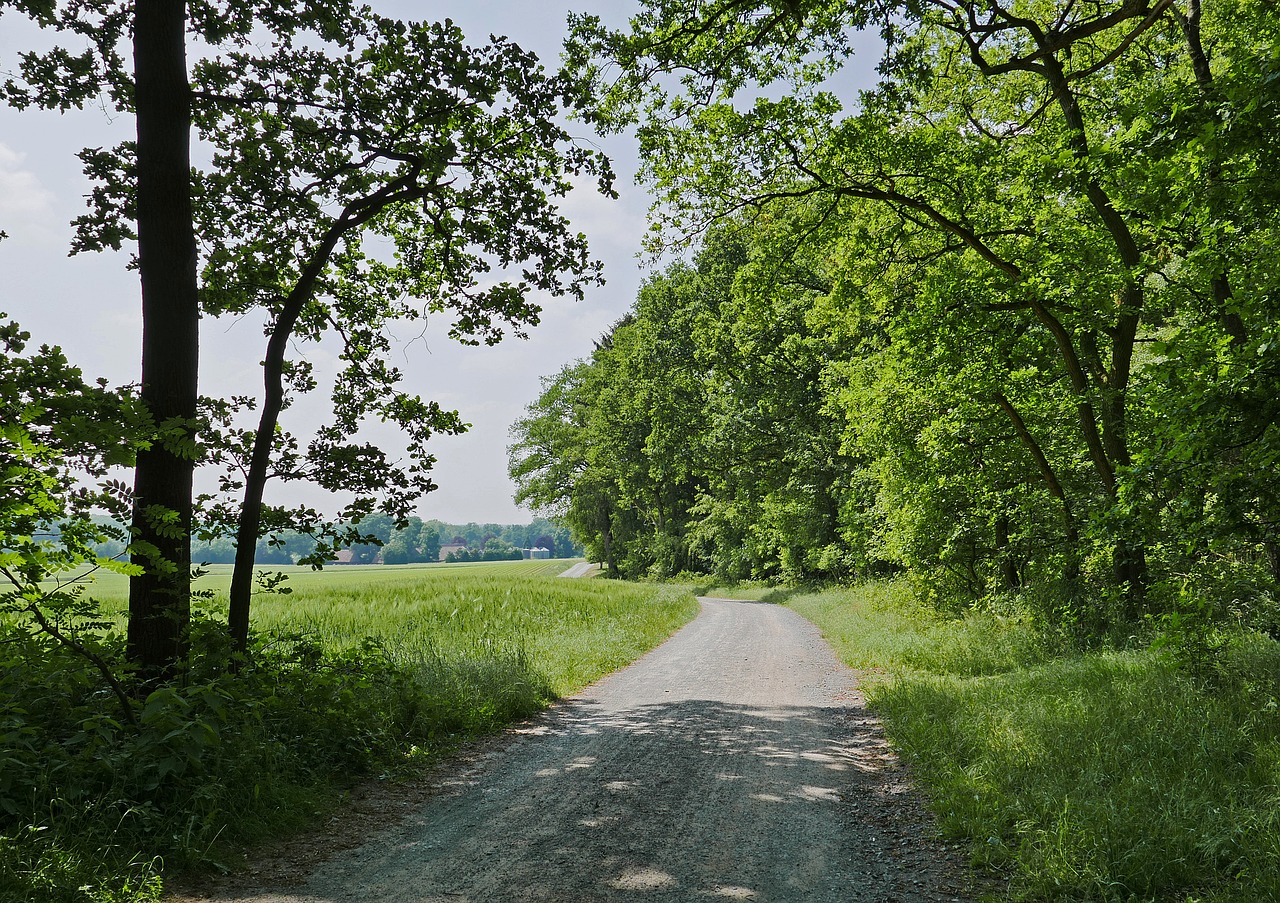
x=89, y=304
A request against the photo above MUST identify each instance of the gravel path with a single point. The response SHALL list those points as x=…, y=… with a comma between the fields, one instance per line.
x=581, y=569
x=735, y=762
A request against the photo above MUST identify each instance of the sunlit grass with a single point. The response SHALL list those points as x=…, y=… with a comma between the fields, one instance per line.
x=1109, y=776
x=571, y=632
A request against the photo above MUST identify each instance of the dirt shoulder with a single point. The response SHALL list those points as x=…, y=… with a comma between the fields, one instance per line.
x=736, y=761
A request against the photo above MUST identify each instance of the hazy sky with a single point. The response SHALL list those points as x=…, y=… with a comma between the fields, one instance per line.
x=89, y=304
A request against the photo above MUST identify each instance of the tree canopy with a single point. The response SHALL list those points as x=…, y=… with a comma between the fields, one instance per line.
x=1007, y=312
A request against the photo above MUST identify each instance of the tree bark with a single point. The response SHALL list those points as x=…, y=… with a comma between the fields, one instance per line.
x=1271, y=549
x=1129, y=557
x=160, y=598
x=1070, y=532
x=1009, y=574
x=1189, y=22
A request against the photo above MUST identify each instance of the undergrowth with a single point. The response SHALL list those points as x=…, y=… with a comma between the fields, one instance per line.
x=1118, y=776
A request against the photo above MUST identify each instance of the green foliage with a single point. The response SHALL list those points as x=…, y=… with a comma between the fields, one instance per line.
x=491, y=552
x=426, y=161
x=694, y=438
x=1004, y=320
x=1108, y=776
x=325, y=126
x=540, y=532
x=211, y=763
x=57, y=431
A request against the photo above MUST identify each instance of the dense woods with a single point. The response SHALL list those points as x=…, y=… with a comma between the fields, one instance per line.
x=1006, y=321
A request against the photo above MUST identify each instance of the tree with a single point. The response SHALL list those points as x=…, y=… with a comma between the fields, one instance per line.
x=774, y=469
x=1082, y=178
x=156, y=93
x=56, y=432
x=695, y=438
x=378, y=529
x=454, y=160
x=326, y=123
x=398, y=550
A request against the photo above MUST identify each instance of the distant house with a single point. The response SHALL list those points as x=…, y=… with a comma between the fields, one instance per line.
x=451, y=547
x=345, y=556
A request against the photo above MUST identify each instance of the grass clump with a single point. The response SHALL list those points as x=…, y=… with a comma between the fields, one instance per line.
x=1101, y=776
x=349, y=679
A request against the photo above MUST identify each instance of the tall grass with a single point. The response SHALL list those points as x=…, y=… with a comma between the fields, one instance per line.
x=570, y=632
x=1108, y=776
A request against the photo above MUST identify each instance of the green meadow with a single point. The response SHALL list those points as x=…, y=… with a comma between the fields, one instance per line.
x=570, y=632
x=1118, y=776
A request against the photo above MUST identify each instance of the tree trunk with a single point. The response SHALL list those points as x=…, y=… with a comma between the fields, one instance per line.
x=611, y=565
x=1009, y=574
x=160, y=598
x=1070, y=532
x=1129, y=564
x=1129, y=556
x=355, y=215
x=256, y=479
x=1271, y=549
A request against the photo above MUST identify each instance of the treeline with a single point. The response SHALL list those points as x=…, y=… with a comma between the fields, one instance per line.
x=1010, y=326
x=1008, y=359
x=699, y=435
x=418, y=541
x=811, y=417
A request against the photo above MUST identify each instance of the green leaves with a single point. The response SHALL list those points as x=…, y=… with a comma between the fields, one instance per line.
x=1036, y=252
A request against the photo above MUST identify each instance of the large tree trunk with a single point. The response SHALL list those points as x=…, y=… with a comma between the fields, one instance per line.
x=160, y=598
x=1129, y=556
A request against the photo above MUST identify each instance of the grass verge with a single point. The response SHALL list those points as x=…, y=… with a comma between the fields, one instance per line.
x=358, y=672
x=1110, y=776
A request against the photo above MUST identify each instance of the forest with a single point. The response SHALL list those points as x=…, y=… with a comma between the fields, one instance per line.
x=1007, y=323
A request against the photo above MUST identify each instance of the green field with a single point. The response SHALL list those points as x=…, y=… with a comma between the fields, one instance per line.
x=113, y=589
x=570, y=632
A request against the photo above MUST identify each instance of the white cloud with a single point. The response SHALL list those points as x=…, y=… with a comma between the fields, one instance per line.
x=24, y=202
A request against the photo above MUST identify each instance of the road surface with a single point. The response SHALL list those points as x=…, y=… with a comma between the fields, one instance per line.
x=735, y=762
x=581, y=569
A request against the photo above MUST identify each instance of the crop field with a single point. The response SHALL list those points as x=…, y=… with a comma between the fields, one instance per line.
x=457, y=617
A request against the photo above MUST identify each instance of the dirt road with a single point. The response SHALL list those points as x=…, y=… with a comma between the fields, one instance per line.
x=581, y=569
x=735, y=762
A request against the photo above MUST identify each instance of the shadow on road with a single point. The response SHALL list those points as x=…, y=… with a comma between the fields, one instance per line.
x=690, y=800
